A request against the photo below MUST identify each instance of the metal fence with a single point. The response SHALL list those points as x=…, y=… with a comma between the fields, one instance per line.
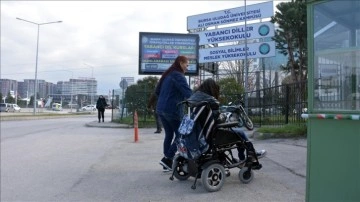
x=279, y=105
x=124, y=109
x=274, y=106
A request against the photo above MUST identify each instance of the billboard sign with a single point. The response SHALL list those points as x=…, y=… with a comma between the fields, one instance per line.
x=237, y=52
x=229, y=16
x=237, y=33
x=157, y=51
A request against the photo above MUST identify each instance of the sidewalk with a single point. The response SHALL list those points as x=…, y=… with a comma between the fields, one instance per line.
x=282, y=178
x=291, y=141
x=109, y=124
x=298, y=142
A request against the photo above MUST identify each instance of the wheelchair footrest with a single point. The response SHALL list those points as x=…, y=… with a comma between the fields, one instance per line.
x=257, y=166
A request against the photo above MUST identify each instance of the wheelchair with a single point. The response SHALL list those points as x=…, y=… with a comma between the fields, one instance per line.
x=212, y=167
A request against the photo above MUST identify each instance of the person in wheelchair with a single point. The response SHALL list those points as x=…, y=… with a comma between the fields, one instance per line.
x=205, y=145
x=209, y=91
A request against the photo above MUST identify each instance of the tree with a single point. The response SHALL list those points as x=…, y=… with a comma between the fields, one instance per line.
x=22, y=103
x=31, y=103
x=9, y=98
x=136, y=96
x=236, y=68
x=291, y=37
x=117, y=100
x=230, y=90
x=1, y=97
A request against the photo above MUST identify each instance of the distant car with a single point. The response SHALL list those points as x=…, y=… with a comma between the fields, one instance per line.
x=4, y=107
x=14, y=108
x=89, y=108
x=56, y=107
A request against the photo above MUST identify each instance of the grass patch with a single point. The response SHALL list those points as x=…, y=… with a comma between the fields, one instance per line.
x=124, y=120
x=287, y=131
x=149, y=123
x=41, y=115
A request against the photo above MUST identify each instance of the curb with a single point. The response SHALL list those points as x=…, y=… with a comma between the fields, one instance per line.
x=258, y=135
x=107, y=125
x=263, y=136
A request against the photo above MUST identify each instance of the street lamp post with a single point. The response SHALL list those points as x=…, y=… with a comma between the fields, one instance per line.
x=246, y=65
x=37, y=51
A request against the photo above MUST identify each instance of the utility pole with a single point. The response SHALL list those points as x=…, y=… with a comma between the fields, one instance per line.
x=246, y=66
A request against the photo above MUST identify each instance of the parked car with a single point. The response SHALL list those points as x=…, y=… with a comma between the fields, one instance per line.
x=14, y=108
x=89, y=108
x=4, y=107
x=56, y=107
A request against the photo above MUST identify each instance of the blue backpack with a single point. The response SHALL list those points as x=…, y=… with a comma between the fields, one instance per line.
x=192, y=142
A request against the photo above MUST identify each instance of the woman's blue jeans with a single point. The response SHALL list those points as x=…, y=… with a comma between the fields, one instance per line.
x=241, y=133
x=171, y=125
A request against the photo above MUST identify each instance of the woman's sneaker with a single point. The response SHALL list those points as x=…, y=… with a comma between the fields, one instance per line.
x=260, y=153
x=165, y=170
x=166, y=163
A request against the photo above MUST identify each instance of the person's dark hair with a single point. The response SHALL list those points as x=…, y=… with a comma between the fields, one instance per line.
x=210, y=87
x=174, y=67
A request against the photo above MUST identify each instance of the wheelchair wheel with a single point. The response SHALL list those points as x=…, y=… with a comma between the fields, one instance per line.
x=246, y=175
x=213, y=177
x=180, y=168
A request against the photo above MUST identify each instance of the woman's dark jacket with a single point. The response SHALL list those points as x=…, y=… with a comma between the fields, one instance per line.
x=101, y=103
x=213, y=104
x=199, y=96
x=172, y=90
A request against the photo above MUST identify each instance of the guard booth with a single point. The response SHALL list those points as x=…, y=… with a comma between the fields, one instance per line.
x=333, y=153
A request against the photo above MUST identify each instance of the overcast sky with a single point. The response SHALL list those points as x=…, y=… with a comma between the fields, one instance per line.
x=101, y=34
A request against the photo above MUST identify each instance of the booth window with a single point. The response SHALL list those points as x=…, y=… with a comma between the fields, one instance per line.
x=337, y=56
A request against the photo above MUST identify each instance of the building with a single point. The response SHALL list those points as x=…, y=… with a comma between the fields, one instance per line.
x=8, y=86
x=67, y=91
x=26, y=88
x=83, y=88
x=46, y=88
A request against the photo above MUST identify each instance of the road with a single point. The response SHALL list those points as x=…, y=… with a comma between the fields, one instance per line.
x=63, y=160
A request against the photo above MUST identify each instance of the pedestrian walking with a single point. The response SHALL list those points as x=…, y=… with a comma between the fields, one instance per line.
x=100, y=106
